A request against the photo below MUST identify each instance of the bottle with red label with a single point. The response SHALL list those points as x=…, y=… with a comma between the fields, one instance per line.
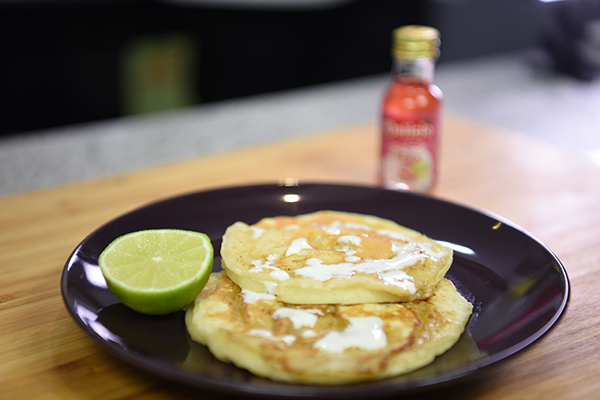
x=411, y=112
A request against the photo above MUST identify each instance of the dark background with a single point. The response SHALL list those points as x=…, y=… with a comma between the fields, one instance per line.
x=62, y=62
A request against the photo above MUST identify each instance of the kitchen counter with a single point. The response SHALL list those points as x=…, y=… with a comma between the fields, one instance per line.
x=48, y=353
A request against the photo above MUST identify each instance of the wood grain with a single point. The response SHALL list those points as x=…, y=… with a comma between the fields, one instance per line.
x=549, y=192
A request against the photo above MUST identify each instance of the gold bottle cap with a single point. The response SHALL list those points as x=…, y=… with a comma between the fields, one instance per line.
x=413, y=41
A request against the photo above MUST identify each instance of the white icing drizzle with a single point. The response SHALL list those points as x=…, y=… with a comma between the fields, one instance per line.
x=433, y=253
x=260, y=265
x=252, y=297
x=423, y=245
x=257, y=232
x=312, y=262
x=354, y=225
x=297, y=246
x=269, y=286
x=349, y=239
x=405, y=256
x=365, y=333
x=277, y=273
x=309, y=333
x=348, y=250
x=288, y=339
x=400, y=279
x=352, y=239
x=300, y=318
x=332, y=229
x=335, y=227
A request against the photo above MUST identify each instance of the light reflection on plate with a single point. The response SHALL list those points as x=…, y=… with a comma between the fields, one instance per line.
x=456, y=247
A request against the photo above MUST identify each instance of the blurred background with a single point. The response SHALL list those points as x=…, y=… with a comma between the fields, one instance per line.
x=66, y=62
x=94, y=87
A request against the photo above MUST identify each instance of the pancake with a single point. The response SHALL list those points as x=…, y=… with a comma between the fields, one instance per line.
x=332, y=257
x=324, y=344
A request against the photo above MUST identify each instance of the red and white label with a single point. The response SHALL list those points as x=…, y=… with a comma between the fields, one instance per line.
x=409, y=152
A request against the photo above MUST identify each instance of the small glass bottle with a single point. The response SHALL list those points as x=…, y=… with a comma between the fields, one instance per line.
x=411, y=112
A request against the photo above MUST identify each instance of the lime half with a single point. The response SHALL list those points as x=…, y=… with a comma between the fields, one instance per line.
x=157, y=271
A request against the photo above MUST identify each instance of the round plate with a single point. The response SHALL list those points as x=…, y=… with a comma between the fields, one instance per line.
x=518, y=287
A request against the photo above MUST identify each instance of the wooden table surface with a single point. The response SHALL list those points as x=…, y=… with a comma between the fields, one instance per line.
x=549, y=192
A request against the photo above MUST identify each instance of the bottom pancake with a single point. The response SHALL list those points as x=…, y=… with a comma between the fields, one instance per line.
x=324, y=344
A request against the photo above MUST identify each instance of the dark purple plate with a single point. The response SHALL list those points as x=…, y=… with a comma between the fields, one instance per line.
x=518, y=287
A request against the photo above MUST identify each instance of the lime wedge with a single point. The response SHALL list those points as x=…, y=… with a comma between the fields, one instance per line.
x=157, y=271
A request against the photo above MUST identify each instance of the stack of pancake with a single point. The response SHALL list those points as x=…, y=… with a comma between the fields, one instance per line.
x=328, y=298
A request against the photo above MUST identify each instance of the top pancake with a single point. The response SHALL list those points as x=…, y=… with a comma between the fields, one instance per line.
x=332, y=257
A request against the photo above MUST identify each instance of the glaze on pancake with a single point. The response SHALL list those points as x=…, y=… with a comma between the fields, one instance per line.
x=333, y=257
x=324, y=344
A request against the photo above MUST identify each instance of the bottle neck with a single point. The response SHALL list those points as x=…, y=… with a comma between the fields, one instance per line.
x=421, y=69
